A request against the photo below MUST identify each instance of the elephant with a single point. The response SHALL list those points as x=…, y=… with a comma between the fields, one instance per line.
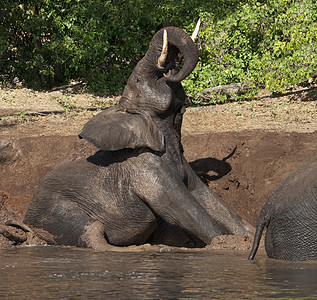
x=290, y=215
x=139, y=177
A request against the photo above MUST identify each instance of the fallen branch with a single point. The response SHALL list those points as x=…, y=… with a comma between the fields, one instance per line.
x=228, y=89
x=64, y=87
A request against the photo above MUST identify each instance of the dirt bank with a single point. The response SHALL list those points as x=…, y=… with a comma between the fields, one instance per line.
x=241, y=150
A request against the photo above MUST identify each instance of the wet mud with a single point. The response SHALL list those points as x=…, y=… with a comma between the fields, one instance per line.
x=242, y=167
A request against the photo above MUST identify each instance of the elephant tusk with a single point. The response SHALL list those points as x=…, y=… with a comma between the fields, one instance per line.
x=195, y=33
x=168, y=74
x=162, y=58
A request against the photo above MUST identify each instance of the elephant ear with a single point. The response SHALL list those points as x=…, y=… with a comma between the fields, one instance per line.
x=115, y=129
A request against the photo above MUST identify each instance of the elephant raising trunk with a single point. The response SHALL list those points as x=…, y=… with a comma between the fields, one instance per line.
x=140, y=179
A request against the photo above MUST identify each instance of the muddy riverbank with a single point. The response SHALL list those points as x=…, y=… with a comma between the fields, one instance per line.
x=241, y=150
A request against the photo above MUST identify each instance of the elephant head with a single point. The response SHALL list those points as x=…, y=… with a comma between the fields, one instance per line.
x=154, y=85
x=153, y=92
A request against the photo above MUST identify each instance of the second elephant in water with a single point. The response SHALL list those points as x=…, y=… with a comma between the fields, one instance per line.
x=290, y=215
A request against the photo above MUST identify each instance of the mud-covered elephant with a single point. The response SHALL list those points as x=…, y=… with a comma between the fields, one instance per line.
x=290, y=215
x=139, y=178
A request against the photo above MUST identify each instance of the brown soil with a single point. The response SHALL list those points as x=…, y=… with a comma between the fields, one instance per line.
x=241, y=150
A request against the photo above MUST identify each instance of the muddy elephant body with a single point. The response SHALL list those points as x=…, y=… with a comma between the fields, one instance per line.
x=139, y=178
x=290, y=216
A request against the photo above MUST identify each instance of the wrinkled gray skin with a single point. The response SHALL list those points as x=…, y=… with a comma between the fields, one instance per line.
x=290, y=215
x=140, y=178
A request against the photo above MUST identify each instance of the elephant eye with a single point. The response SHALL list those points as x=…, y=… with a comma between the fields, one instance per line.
x=137, y=79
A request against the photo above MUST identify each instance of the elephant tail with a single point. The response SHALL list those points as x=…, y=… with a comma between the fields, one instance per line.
x=257, y=237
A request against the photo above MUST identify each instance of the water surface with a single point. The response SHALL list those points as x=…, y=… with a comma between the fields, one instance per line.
x=68, y=273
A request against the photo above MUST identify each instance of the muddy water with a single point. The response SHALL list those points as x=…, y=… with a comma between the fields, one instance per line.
x=60, y=273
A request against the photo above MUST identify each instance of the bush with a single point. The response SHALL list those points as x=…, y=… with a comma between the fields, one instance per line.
x=49, y=42
x=271, y=43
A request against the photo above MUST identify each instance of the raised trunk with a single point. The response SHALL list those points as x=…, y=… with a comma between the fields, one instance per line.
x=185, y=45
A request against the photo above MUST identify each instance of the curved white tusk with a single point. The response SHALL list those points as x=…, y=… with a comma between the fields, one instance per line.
x=195, y=33
x=162, y=58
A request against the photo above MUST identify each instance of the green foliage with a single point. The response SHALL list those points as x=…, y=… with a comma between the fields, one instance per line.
x=272, y=43
x=66, y=105
x=47, y=43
